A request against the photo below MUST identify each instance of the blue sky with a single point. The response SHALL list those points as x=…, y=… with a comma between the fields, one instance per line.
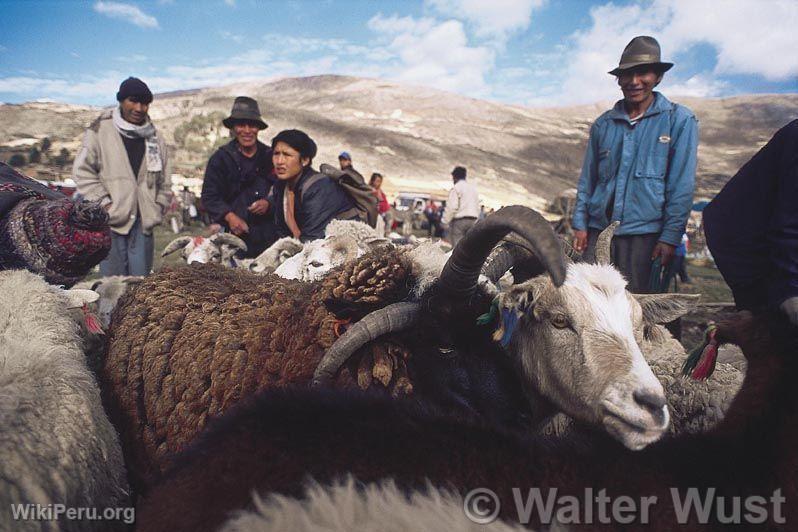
x=525, y=52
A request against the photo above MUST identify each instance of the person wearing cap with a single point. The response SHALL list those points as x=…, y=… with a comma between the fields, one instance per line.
x=238, y=179
x=123, y=166
x=462, y=207
x=345, y=160
x=304, y=200
x=639, y=170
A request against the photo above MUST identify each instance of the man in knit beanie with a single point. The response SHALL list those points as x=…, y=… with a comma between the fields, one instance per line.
x=45, y=232
x=123, y=166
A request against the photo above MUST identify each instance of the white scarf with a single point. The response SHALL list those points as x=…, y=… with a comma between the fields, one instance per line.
x=145, y=131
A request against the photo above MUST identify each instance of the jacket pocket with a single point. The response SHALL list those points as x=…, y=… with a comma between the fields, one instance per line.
x=648, y=196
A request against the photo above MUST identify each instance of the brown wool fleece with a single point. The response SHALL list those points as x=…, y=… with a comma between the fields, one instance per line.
x=187, y=344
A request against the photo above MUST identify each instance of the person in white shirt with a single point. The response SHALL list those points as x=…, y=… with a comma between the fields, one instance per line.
x=462, y=207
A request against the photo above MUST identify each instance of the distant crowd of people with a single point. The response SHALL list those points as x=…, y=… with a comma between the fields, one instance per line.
x=639, y=170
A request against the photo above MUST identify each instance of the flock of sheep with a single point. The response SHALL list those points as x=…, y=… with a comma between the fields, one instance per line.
x=177, y=408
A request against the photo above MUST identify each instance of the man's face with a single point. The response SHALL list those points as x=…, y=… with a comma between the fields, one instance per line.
x=133, y=110
x=246, y=133
x=287, y=162
x=638, y=83
x=345, y=163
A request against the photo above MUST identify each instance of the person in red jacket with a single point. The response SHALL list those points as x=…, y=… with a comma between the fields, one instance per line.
x=383, y=207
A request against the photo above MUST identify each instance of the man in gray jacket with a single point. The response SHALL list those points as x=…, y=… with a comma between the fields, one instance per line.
x=123, y=165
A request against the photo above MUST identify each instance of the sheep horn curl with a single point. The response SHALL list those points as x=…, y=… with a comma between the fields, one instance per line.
x=229, y=239
x=461, y=272
x=174, y=245
x=603, y=244
x=394, y=317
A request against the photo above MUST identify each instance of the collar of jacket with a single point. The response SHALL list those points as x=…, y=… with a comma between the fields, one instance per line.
x=659, y=105
x=231, y=148
x=306, y=172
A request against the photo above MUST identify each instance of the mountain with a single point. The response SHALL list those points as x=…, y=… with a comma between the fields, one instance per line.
x=414, y=136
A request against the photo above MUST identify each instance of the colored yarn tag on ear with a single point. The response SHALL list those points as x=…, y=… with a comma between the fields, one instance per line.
x=509, y=321
x=490, y=315
x=92, y=321
x=702, y=360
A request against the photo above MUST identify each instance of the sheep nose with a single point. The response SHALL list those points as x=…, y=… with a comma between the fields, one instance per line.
x=651, y=401
x=252, y=266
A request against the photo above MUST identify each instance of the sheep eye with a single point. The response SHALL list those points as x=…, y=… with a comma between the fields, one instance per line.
x=559, y=321
x=316, y=264
x=446, y=350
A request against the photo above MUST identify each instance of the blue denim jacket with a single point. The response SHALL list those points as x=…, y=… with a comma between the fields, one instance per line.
x=642, y=175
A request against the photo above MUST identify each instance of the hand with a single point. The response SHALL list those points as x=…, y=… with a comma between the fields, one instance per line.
x=664, y=251
x=237, y=226
x=259, y=207
x=580, y=241
x=790, y=308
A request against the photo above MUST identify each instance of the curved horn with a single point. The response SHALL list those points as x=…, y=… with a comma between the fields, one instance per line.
x=174, y=245
x=229, y=239
x=461, y=272
x=603, y=242
x=512, y=253
x=395, y=317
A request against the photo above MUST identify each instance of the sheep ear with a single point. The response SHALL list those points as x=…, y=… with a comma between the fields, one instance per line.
x=664, y=308
x=77, y=297
x=522, y=296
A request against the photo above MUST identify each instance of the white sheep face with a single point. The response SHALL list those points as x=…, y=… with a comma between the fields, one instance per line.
x=579, y=346
x=319, y=257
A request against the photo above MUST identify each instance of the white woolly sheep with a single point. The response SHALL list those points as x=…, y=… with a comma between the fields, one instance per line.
x=220, y=248
x=343, y=240
x=56, y=443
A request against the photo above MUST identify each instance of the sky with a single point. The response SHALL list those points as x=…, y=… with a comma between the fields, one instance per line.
x=537, y=53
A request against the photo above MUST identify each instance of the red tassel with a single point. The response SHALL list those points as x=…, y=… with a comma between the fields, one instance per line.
x=709, y=357
x=92, y=321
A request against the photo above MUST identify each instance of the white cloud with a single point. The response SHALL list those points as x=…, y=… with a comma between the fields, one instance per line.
x=699, y=86
x=235, y=37
x=126, y=12
x=750, y=38
x=490, y=19
x=437, y=54
x=231, y=3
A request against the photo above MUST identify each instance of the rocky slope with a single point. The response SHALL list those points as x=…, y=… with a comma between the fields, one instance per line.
x=415, y=135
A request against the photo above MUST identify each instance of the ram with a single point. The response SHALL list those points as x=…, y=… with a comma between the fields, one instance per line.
x=275, y=443
x=190, y=343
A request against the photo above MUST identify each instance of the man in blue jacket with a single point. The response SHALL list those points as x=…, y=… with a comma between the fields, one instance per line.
x=639, y=169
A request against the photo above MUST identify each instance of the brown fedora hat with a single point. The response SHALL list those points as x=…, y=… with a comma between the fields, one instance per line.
x=642, y=50
x=244, y=109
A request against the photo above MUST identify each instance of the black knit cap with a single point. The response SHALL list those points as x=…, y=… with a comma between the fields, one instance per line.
x=459, y=173
x=134, y=87
x=299, y=140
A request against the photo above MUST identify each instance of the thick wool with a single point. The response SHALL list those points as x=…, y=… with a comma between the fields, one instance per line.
x=186, y=344
x=56, y=443
x=59, y=239
x=695, y=406
x=345, y=506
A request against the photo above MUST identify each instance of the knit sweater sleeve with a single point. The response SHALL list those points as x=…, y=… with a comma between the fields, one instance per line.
x=86, y=170
x=164, y=195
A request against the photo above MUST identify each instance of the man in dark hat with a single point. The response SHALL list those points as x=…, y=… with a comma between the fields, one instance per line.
x=639, y=169
x=462, y=207
x=239, y=177
x=344, y=160
x=123, y=165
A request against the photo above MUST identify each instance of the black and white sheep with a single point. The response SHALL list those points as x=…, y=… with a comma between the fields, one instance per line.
x=275, y=443
x=56, y=443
